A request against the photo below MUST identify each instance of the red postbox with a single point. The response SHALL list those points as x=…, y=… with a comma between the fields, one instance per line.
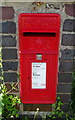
x=39, y=45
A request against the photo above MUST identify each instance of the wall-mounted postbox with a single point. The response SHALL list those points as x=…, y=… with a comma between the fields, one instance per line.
x=39, y=46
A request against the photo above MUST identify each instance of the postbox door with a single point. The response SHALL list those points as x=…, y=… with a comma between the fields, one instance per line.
x=31, y=92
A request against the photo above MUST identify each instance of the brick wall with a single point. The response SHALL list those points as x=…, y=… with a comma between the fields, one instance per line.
x=67, y=55
x=9, y=45
x=9, y=36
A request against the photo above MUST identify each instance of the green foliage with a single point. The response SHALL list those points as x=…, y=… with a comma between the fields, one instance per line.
x=1, y=79
x=56, y=109
x=73, y=96
x=69, y=117
x=10, y=104
x=18, y=75
x=25, y=118
x=0, y=106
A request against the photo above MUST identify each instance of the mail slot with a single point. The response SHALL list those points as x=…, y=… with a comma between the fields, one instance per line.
x=39, y=35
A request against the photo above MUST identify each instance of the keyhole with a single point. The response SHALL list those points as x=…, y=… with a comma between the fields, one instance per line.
x=28, y=77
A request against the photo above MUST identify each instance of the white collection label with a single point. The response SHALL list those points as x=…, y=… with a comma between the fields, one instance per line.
x=38, y=75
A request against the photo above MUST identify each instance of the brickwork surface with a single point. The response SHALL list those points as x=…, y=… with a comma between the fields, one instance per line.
x=7, y=13
x=10, y=55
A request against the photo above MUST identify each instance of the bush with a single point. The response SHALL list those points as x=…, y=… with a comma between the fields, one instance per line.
x=9, y=104
x=56, y=109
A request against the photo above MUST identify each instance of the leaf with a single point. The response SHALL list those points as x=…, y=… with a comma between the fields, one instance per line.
x=11, y=97
x=58, y=98
x=12, y=84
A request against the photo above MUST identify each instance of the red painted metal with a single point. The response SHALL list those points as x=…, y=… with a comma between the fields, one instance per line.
x=39, y=33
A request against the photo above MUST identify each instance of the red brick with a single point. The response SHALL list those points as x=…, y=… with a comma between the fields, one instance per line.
x=6, y=13
x=70, y=9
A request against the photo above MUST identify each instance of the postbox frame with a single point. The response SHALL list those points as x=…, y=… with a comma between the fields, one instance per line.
x=54, y=57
